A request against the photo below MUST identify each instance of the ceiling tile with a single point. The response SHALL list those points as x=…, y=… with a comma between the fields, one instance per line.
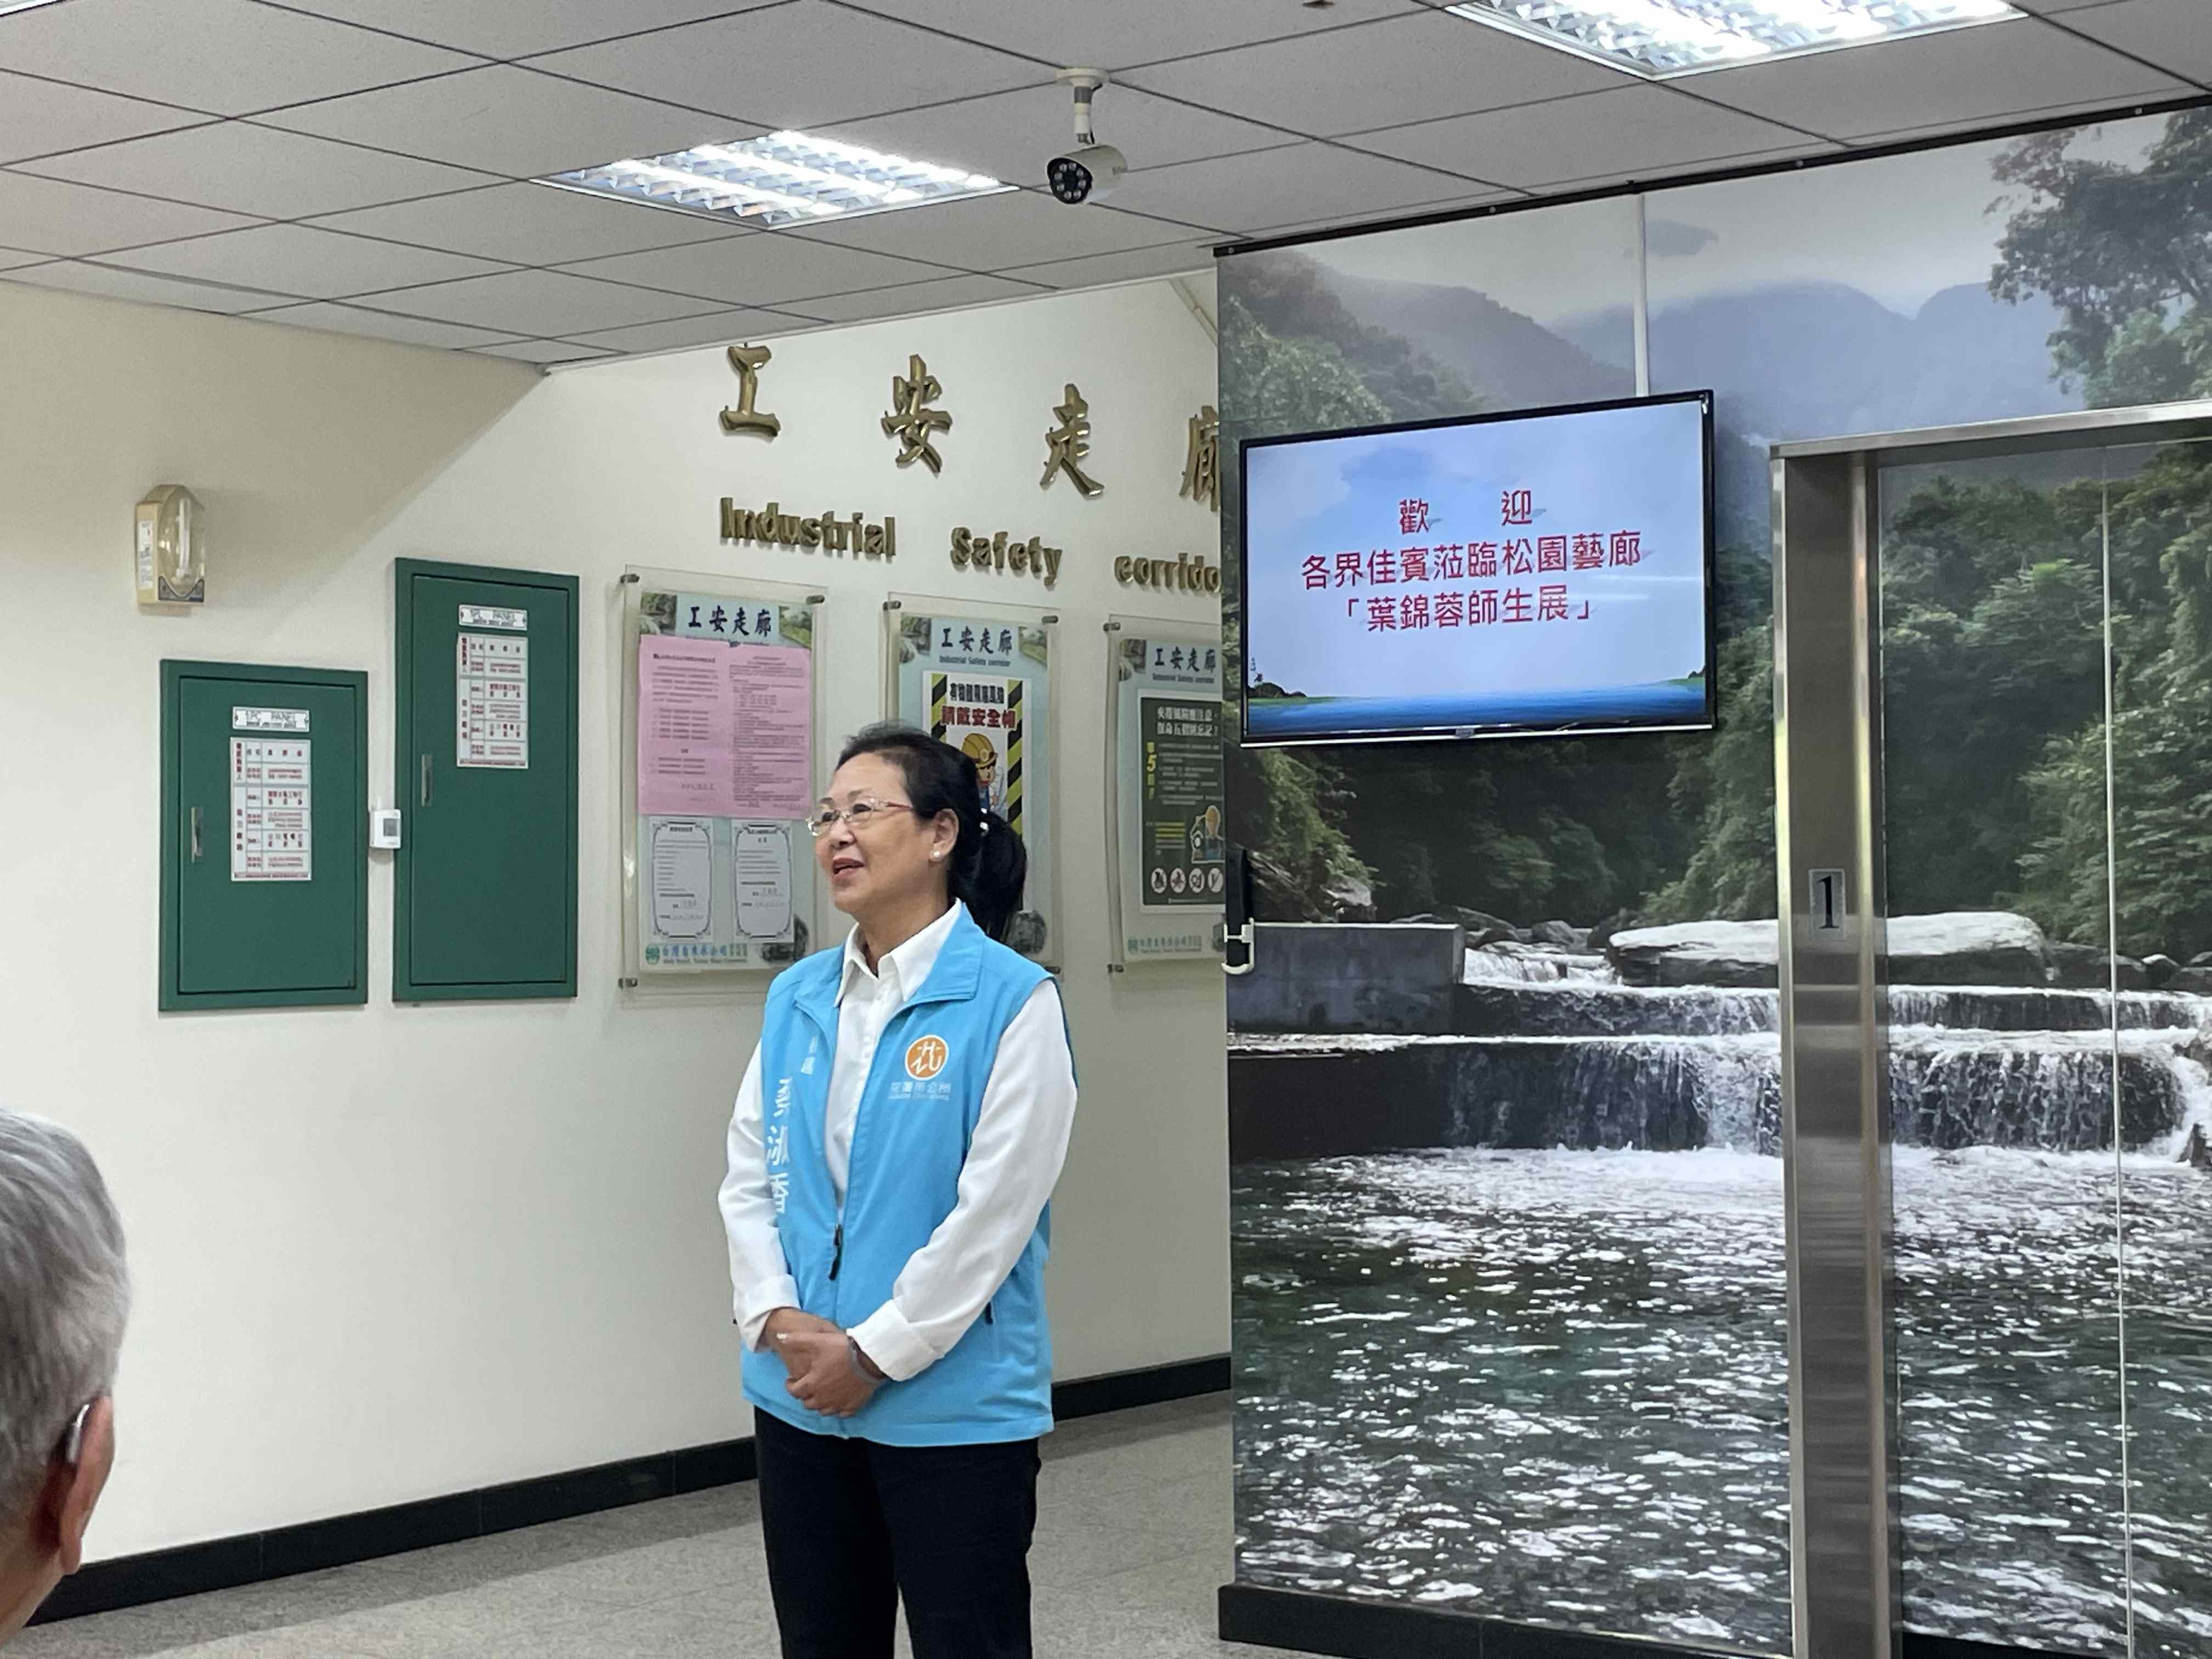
x=255, y=169
x=296, y=259
x=1960, y=78
x=1379, y=220
x=916, y=298
x=516, y=28
x=2175, y=35
x=1126, y=32
x=1400, y=69
x=545, y=352
x=541, y=302
x=105, y=280
x=1689, y=172
x=1012, y=134
x=510, y=121
x=802, y=64
x=38, y=117
x=54, y=217
x=2085, y=112
x=380, y=325
x=528, y=224
x=1244, y=192
x=1630, y=130
x=716, y=328
x=1096, y=271
x=764, y=268
x=231, y=57
x=989, y=233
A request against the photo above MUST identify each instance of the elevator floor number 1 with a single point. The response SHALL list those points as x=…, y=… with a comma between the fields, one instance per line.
x=1828, y=903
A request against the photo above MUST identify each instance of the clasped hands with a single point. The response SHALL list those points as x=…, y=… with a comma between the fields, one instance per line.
x=825, y=1374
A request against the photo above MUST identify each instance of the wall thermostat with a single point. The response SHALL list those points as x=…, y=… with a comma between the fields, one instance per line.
x=384, y=826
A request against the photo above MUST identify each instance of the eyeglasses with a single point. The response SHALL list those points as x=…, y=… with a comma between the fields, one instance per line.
x=860, y=814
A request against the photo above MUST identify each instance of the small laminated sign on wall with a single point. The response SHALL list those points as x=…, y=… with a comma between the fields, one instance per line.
x=1180, y=801
x=1167, y=781
x=271, y=809
x=492, y=695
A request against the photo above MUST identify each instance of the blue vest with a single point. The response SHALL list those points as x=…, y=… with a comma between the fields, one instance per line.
x=910, y=1136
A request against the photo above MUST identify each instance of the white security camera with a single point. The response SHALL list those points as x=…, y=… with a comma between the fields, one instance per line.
x=1088, y=172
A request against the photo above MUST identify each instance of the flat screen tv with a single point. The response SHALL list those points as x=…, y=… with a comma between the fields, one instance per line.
x=1545, y=572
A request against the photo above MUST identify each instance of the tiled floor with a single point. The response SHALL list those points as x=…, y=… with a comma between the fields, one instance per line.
x=1133, y=1542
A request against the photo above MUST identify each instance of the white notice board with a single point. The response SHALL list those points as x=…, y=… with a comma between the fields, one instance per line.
x=720, y=735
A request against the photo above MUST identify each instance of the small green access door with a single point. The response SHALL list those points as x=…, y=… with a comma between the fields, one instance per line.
x=265, y=861
x=485, y=905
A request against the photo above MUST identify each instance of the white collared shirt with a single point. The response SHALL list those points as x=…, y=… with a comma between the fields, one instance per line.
x=1014, y=1160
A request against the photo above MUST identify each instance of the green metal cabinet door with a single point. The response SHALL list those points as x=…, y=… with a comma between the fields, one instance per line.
x=263, y=869
x=486, y=900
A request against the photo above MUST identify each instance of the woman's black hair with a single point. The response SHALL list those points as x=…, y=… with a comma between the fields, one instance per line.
x=989, y=864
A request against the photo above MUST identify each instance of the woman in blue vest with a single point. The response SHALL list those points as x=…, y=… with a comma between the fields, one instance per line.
x=895, y=1145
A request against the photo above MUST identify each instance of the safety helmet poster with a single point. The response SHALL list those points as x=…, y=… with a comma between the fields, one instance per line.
x=984, y=686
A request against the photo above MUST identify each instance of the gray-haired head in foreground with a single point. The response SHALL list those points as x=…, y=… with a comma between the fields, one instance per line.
x=64, y=1296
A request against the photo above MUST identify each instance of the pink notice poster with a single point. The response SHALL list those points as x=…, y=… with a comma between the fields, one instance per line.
x=772, y=760
x=682, y=727
x=723, y=730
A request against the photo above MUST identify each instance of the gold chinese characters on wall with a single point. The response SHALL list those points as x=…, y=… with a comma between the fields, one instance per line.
x=911, y=421
x=915, y=420
x=1066, y=444
x=1201, y=465
x=748, y=360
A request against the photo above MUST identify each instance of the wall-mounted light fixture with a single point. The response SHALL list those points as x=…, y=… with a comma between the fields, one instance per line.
x=170, y=546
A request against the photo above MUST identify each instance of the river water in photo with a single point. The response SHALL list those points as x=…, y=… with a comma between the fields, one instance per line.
x=1545, y=1386
x=1548, y=1382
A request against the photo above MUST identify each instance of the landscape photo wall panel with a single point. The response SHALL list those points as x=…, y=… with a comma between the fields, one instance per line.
x=1510, y=1312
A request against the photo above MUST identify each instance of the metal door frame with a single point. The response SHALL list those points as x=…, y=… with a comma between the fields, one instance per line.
x=1845, y=1585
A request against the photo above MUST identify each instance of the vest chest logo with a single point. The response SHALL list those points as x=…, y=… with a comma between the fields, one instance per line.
x=926, y=1057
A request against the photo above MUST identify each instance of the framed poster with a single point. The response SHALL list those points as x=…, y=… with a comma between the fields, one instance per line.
x=980, y=678
x=719, y=735
x=1166, y=774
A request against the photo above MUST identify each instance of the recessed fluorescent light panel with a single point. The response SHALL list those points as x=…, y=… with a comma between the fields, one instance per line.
x=785, y=178
x=1662, y=38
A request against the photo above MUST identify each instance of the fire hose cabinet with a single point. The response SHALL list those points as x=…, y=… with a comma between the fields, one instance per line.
x=264, y=823
x=484, y=900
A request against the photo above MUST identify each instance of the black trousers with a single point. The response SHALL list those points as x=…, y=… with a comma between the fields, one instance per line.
x=852, y=1527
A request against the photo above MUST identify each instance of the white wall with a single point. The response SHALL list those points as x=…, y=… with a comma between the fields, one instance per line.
x=387, y=1253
